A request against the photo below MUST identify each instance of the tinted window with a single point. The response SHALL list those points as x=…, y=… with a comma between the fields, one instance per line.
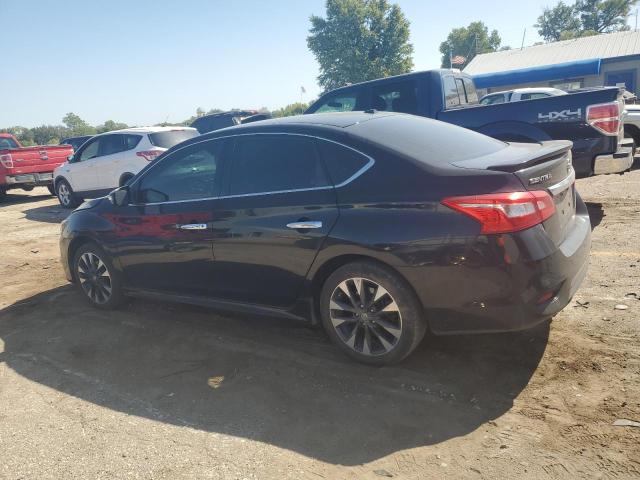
x=395, y=97
x=341, y=162
x=110, y=144
x=342, y=102
x=131, y=141
x=188, y=174
x=90, y=150
x=6, y=142
x=470, y=90
x=493, y=99
x=451, y=98
x=532, y=96
x=273, y=163
x=170, y=138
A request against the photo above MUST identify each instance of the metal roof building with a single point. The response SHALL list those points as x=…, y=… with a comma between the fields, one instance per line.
x=606, y=59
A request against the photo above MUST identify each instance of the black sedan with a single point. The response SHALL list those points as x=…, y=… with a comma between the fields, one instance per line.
x=379, y=226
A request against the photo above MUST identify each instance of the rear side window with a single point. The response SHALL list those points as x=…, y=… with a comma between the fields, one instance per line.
x=493, y=99
x=532, y=96
x=275, y=163
x=470, y=90
x=170, y=138
x=396, y=97
x=110, y=144
x=451, y=98
x=341, y=162
x=131, y=141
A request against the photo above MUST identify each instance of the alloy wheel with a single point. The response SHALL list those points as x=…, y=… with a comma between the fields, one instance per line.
x=94, y=277
x=64, y=194
x=365, y=316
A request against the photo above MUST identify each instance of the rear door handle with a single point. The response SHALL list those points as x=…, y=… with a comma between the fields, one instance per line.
x=309, y=224
x=193, y=226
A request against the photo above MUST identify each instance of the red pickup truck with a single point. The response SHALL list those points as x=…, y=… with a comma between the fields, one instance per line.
x=28, y=167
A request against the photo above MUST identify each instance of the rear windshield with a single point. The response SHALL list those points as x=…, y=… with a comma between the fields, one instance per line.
x=428, y=141
x=7, y=142
x=170, y=138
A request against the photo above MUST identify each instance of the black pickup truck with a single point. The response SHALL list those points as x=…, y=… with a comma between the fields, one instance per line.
x=591, y=120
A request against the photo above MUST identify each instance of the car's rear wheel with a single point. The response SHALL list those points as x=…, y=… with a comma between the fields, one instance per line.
x=96, y=278
x=65, y=195
x=371, y=313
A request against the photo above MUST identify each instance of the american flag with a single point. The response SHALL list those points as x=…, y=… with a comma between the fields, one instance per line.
x=458, y=60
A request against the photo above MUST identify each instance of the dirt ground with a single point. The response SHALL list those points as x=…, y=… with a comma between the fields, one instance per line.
x=165, y=391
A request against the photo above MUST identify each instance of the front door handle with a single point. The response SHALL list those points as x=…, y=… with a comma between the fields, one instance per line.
x=309, y=224
x=193, y=226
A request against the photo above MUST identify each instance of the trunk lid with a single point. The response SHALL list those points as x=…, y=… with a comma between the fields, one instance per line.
x=546, y=166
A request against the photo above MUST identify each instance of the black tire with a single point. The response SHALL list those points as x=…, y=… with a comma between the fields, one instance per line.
x=390, y=336
x=3, y=194
x=125, y=178
x=52, y=190
x=65, y=194
x=91, y=268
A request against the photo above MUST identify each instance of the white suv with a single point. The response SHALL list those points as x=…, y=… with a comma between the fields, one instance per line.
x=110, y=159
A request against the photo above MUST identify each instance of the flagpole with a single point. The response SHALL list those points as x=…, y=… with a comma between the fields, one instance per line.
x=450, y=59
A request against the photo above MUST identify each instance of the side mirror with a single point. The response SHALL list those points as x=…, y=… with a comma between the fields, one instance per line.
x=120, y=196
x=70, y=158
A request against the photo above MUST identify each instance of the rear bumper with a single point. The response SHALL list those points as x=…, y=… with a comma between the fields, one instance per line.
x=501, y=284
x=617, y=162
x=28, y=180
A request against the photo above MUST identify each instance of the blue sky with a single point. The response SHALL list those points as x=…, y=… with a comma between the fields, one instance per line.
x=144, y=62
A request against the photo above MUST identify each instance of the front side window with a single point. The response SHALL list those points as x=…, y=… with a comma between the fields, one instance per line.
x=396, y=97
x=532, y=96
x=275, y=163
x=343, y=102
x=90, y=150
x=191, y=173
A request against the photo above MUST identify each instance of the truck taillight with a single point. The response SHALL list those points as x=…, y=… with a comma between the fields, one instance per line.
x=604, y=117
x=6, y=160
x=149, y=155
x=505, y=212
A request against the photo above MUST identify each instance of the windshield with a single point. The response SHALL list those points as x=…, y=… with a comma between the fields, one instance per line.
x=172, y=137
x=7, y=143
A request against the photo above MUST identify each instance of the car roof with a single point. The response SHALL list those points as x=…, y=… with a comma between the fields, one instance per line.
x=148, y=129
x=328, y=119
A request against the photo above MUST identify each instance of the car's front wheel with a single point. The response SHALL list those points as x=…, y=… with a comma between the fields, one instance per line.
x=65, y=195
x=96, y=277
x=371, y=313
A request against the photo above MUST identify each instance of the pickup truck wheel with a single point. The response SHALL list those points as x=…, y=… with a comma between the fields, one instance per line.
x=65, y=195
x=3, y=194
x=52, y=190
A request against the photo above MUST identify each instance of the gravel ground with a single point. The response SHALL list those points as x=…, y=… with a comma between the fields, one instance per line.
x=165, y=391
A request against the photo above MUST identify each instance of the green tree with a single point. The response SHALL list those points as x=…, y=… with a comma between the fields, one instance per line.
x=49, y=134
x=554, y=22
x=291, y=109
x=110, y=125
x=584, y=18
x=77, y=126
x=360, y=40
x=603, y=16
x=468, y=42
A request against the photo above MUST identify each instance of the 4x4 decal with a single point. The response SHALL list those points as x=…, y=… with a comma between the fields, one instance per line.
x=560, y=116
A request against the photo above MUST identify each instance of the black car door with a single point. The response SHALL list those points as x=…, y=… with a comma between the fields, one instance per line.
x=165, y=235
x=278, y=208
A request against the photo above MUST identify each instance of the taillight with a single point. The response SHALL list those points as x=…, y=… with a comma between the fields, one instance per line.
x=505, y=212
x=149, y=155
x=6, y=160
x=604, y=117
